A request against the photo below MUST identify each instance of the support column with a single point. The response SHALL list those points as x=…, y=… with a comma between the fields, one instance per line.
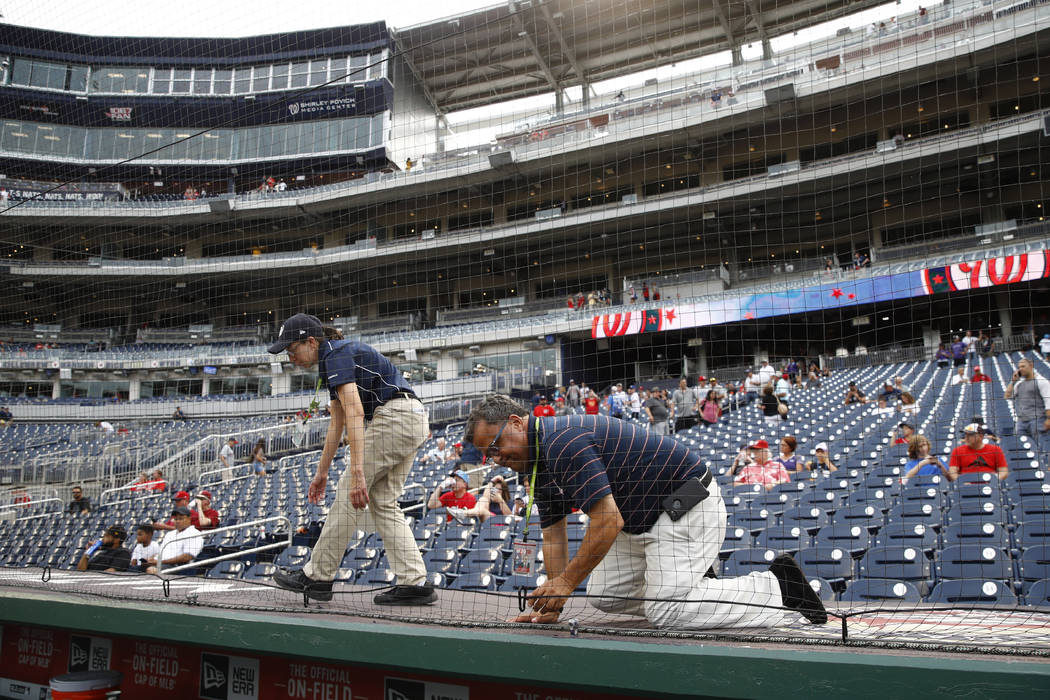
x=701, y=360
x=134, y=389
x=205, y=386
x=1002, y=300
x=193, y=248
x=56, y=389
x=446, y=367
x=281, y=384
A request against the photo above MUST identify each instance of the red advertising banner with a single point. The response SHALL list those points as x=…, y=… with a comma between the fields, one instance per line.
x=181, y=670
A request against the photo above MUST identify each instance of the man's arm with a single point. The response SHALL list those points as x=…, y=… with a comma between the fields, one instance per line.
x=332, y=440
x=604, y=525
x=1002, y=469
x=354, y=416
x=435, y=498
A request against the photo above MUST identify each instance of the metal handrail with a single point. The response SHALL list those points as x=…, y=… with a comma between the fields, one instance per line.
x=162, y=494
x=30, y=504
x=280, y=467
x=232, y=555
x=129, y=487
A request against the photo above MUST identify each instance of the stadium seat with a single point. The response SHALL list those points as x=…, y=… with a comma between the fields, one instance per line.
x=915, y=513
x=990, y=534
x=474, y=581
x=896, y=562
x=516, y=582
x=742, y=562
x=970, y=592
x=443, y=561
x=881, y=590
x=488, y=561
x=1034, y=564
x=736, y=538
x=822, y=587
x=293, y=558
x=1039, y=593
x=906, y=534
x=775, y=503
x=783, y=539
x=811, y=518
x=973, y=561
x=865, y=515
x=831, y=563
x=1032, y=533
x=228, y=569
x=260, y=572
x=377, y=577
x=360, y=559
x=853, y=537
x=754, y=519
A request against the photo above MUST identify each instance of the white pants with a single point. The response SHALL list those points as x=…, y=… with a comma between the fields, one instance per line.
x=666, y=567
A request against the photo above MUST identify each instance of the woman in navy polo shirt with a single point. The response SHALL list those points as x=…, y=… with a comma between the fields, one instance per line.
x=364, y=386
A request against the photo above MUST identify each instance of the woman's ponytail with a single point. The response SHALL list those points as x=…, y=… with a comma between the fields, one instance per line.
x=331, y=333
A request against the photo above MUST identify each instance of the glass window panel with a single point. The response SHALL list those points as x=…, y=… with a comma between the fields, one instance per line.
x=260, y=78
x=242, y=81
x=138, y=81
x=222, y=82
x=338, y=69
x=78, y=78
x=279, y=81
x=300, y=73
x=39, y=75
x=357, y=68
x=20, y=71
x=162, y=81
x=319, y=72
x=378, y=66
x=180, y=83
x=202, y=82
x=248, y=144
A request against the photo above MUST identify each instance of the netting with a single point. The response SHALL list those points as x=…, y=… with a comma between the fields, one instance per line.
x=762, y=286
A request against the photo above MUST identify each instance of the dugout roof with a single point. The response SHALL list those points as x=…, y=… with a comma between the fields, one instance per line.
x=522, y=48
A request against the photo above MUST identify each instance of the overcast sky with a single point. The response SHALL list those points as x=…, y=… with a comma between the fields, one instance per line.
x=222, y=17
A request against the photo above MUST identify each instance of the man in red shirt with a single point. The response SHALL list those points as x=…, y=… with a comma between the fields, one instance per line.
x=590, y=405
x=457, y=496
x=979, y=376
x=543, y=408
x=202, y=515
x=179, y=500
x=974, y=456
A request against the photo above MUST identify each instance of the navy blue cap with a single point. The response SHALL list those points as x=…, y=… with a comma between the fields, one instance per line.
x=296, y=328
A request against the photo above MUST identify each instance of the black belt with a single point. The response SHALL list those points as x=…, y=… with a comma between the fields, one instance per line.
x=405, y=395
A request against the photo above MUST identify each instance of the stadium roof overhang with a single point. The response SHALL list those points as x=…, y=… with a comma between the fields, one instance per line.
x=528, y=47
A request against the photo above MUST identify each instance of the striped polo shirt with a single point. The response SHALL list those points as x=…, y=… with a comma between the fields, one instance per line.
x=582, y=459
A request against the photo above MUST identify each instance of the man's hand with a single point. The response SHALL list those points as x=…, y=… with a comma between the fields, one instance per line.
x=1046, y=424
x=547, y=602
x=358, y=490
x=317, y=488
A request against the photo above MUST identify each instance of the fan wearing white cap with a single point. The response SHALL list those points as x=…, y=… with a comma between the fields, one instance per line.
x=821, y=459
x=765, y=471
x=974, y=456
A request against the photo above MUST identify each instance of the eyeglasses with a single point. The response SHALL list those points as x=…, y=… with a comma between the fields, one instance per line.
x=493, y=449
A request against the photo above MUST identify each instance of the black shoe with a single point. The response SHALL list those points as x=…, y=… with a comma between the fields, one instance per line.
x=301, y=583
x=407, y=595
x=796, y=591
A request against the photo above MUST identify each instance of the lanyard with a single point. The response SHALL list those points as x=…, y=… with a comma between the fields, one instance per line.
x=532, y=484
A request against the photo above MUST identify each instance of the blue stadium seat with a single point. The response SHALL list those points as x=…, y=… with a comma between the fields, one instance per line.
x=377, y=577
x=228, y=569
x=489, y=561
x=754, y=519
x=474, y=581
x=743, y=561
x=360, y=559
x=823, y=588
x=896, y=562
x=811, y=518
x=869, y=590
x=990, y=534
x=879, y=498
x=293, y=558
x=819, y=498
x=853, y=537
x=345, y=575
x=454, y=536
x=436, y=579
x=1032, y=533
x=973, y=561
x=831, y=563
x=970, y=592
x=736, y=538
x=984, y=491
x=1032, y=508
x=915, y=513
x=908, y=535
x=923, y=493
x=865, y=515
x=1034, y=564
x=259, y=572
x=775, y=503
x=516, y=582
x=442, y=561
x=1039, y=593
x=782, y=538
x=975, y=510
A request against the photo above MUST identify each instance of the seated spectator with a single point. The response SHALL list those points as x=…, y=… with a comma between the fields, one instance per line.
x=518, y=509
x=5, y=415
x=80, y=504
x=943, y=356
x=890, y=393
x=495, y=500
x=453, y=493
x=591, y=404
x=855, y=395
x=903, y=434
x=974, y=456
x=157, y=482
x=770, y=406
x=259, y=458
x=908, y=403
x=183, y=545
x=108, y=553
x=141, y=482
x=979, y=376
x=543, y=408
x=900, y=386
x=763, y=470
x=438, y=454
x=743, y=459
x=788, y=445
x=178, y=414
x=822, y=459
x=106, y=427
x=144, y=553
x=783, y=388
x=179, y=500
x=885, y=407
x=202, y=515
x=959, y=377
x=921, y=462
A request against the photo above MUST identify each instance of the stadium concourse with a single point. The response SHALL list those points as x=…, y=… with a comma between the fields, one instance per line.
x=785, y=205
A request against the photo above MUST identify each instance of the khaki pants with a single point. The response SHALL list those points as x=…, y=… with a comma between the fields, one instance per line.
x=397, y=430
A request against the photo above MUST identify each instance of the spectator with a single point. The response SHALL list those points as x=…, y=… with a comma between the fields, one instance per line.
x=960, y=376
x=227, y=459
x=979, y=376
x=791, y=463
x=855, y=395
x=157, y=482
x=770, y=406
x=518, y=509
x=618, y=402
x=684, y=406
x=591, y=405
x=884, y=407
x=634, y=402
x=1044, y=347
x=182, y=546
x=829, y=265
x=783, y=388
x=975, y=456
x=921, y=462
x=903, y=434
x=572, y=394
x=908, y=404
x=970, y=341
x=559, y=407
x=765, y=374
x=860, y=261
x=178, y=414
x=179, y=500
x=455, y=495
x=889, y=393
x=495, y=500
x=743, y=459
x=958, y=351
x=900, y=386
x=657, y=411
x=543, y=408
x=259, y=459
x=822, y=460
x=144, y=553
x=469, y=457
x=943, y=356
x=438, y=454
x=106, y=427
x=1031, y=396
x=710, y=408
x=80, y=504
x=140, y=484
x=720, y=391
x=202, y=515
x=763, y=470
x=108, y=553
x=6, y=417
x=986, y=344
x=792, y=370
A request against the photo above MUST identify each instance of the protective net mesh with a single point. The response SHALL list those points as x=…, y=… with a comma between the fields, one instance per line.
x=753, y=279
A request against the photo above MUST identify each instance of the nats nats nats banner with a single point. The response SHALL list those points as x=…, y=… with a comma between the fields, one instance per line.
x=978, y=274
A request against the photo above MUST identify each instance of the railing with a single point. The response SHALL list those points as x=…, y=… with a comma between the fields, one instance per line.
x=232, y=555
x=31, y=505
x=131, y=488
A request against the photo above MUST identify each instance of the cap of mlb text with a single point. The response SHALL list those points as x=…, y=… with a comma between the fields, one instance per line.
x=821, y=446
x=760, y=445
x=181, y=496
x=298, y=327
x=181, y=510
x=117, y=531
